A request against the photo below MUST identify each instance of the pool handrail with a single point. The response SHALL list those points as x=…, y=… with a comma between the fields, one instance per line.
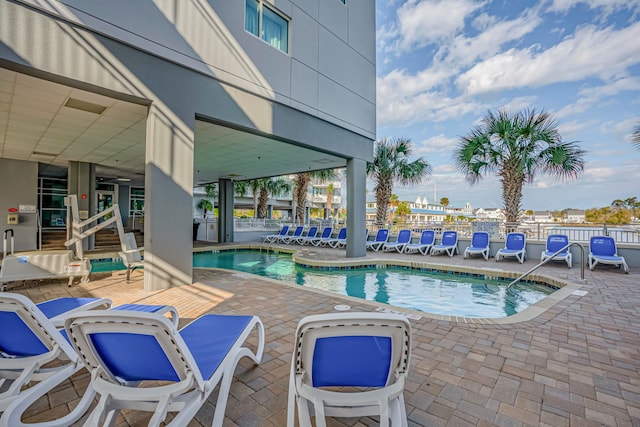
x=541, y=263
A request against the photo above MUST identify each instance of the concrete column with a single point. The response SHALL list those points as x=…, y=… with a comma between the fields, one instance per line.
x=225, y=210
x=356, y=207
x=168, y=198
x=81, y=181
x=307, y=215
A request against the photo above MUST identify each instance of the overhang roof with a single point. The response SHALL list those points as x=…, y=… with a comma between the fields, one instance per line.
x=54, y=124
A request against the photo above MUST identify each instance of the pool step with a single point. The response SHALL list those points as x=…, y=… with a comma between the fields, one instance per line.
x=104, y=239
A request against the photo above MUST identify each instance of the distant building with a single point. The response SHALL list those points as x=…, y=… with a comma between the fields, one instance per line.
x=489, y=213
x=422, y=211
x=543, y=216
x=575, y=216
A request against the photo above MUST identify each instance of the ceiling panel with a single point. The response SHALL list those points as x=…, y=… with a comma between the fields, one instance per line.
x=33, y=118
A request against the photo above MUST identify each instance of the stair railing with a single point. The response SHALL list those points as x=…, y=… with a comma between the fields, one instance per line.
x=541, y=263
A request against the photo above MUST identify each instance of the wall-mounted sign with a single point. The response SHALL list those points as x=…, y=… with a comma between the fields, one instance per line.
x=27, y=208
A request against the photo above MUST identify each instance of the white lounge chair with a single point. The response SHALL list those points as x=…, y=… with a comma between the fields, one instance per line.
x=515, y=246
x=381, y=238
x=131, y=254
x=178, y=369
x=427, y=239
x=603, y=250
x=448, y=244
x=402, y=240
x=479, y=245
x=290, y=238
x=367, y=355
x=35, y=352
x=336, y=241
x=555, y=242
x=324, y=237
x=311, y=234
x=270, y=238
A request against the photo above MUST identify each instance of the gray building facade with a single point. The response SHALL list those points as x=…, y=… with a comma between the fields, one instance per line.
x=185, y=93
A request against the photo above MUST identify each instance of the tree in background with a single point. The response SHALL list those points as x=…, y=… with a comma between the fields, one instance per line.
x=517, y=147
x=330, y=189
x=607, y=215
x=270, y=187
x=206, y=204
x=391, y=162
x=444, y=202
x=301, y=184
x=635, y=137
x=403, y=210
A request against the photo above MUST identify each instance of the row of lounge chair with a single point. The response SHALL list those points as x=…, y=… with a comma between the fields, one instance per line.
x=602, y=249
x=312, y=237
x=139, y=359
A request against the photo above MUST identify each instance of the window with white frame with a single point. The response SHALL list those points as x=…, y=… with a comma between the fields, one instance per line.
x=264, y=22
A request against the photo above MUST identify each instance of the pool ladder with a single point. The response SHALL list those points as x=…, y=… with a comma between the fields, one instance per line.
x=541, y=263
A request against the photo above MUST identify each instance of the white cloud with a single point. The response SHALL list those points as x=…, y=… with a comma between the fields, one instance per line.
x=591, y=52
x=436, y=144
x=590, y=96
x=608, y=6
x=463, y=51
x=567, y=129
x=404, y=97
x=423, y=22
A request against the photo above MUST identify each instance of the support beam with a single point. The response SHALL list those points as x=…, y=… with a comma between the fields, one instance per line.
x=168, y=198
x=81, y=180
x=356, y=207
x=225, y=210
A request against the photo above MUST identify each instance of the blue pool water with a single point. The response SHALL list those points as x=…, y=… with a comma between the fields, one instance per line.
x=428, y=292
x=435, y=293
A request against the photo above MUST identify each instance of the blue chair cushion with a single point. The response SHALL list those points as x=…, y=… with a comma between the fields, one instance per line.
x=359, y=361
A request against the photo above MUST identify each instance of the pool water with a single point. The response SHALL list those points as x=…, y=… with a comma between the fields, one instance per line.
x=436, y=293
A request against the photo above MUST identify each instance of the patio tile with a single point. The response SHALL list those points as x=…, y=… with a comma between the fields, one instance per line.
x=577, y=363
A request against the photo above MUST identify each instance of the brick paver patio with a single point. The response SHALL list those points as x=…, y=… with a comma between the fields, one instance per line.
x=575, y=364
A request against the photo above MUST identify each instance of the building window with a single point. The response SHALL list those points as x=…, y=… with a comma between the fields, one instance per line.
x=51, y=194
x=264, y=22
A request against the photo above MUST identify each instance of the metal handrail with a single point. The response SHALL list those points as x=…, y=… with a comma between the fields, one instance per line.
x=5, y=234
x=541, y=263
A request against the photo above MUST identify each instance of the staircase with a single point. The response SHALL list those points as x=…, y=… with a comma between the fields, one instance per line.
x=105, y=239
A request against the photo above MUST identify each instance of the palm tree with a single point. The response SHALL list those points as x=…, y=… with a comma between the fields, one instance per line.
x=301, y=183
x=444, y=201
x=391, y=163
x=266, y=187
x=635, y=137
x=516, y=147
x=330, y=189
x=206, y=204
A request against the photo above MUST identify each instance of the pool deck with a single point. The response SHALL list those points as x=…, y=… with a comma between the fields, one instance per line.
x=574, y=361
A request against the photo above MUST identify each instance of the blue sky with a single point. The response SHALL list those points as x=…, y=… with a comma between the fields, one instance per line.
x=442, y=64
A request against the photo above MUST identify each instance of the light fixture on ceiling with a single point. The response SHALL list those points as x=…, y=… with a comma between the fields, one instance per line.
x=232, y=176
x=89, y=107
x=43, y=154
x=323, y=161
x=123, y=179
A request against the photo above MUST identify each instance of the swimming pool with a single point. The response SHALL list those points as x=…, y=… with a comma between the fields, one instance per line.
x=435, y=293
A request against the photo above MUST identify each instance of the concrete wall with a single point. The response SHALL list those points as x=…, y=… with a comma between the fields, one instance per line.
x=190, y=59
x=19, y=186
x=329, y=71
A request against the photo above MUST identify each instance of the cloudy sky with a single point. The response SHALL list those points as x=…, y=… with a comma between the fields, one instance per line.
x=442, y=64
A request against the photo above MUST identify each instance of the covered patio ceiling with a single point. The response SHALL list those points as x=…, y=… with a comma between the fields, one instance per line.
x=54, y=124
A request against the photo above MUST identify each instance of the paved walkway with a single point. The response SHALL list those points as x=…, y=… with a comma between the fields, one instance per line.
x=575, y=364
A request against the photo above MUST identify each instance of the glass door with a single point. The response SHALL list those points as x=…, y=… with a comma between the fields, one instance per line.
x=106, y=197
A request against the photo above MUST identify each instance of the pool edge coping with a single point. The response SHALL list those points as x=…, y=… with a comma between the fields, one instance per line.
x=565, y=288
